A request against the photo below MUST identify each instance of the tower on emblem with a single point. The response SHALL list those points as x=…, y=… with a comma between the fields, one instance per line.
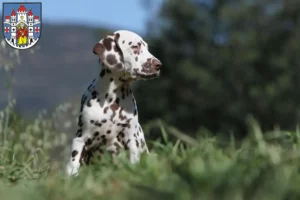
x=22, y=23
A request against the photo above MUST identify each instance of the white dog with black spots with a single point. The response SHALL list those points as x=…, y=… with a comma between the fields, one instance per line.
x=108, y=118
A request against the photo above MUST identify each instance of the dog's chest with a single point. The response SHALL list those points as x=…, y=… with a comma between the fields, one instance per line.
x=106, y=115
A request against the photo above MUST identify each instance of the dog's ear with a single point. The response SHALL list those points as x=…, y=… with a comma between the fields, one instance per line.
x=109, y=51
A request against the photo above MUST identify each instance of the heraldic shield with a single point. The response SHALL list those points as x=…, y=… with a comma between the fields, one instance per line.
x=22, y=24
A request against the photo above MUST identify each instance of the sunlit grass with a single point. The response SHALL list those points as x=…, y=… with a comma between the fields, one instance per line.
x=259, y=167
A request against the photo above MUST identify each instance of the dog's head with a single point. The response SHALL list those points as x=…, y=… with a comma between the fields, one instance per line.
x=125, y=51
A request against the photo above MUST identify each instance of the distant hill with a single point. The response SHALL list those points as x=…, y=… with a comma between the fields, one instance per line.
x=57, y=72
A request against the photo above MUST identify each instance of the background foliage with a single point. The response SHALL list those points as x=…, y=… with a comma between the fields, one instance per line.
x=222, y=61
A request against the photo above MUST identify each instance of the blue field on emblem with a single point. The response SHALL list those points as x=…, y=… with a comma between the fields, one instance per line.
x=22, y=24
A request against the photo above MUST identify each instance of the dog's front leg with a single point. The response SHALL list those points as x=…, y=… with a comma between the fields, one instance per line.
x=135, y=143
x=134, y=154
x=74, y=161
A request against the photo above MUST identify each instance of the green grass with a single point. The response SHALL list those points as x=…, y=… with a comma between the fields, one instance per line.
x=262, y=166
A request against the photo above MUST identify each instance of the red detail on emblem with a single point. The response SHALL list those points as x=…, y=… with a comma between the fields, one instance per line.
x=37, y=29
x=22, y=8
x=6, y=29
x=21, y=32
x=36, y=17
x=30, y=13
x=13, y=13
x=7, y=17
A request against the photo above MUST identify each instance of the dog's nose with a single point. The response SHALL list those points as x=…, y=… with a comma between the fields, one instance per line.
x=157, y=64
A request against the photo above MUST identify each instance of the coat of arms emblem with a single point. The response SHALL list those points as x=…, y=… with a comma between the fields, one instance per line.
x=22, y=24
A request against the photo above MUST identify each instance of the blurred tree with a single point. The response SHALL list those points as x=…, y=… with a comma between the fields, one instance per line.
x=223, y=60
x=101, y=32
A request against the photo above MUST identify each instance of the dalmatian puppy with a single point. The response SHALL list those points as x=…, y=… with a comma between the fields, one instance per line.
x=108, y=120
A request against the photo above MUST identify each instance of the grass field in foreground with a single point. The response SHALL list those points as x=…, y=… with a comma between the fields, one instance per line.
x=263, y=166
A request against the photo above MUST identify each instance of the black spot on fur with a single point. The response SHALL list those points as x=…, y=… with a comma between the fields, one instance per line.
x=110, y=100
x=96, y=134
x=80, y=123
x=111, y=59
x=74, y=153
x=88, y=142
x=79, y=131
x=125, y=145
x=137, y=143
x=94, y=94
x=111, y=79
x=107, y=42
x=104, y=141
x=106, y=95
x=117, y=148
x=119, y=138
x=98, y=124
x=108, y=132
x=117, y=100
x=89, y=103
x=104, y=121
x=119, y=65
x=102, y=73
x=121, y=134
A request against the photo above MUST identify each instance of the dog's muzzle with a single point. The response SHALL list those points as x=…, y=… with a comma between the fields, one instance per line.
x=150, y=69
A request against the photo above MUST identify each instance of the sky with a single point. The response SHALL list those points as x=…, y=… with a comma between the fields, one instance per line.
x=126, y=14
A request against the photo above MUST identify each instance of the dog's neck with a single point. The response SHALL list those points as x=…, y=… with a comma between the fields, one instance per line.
x=110, y=82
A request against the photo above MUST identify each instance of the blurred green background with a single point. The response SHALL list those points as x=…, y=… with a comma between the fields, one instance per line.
x=223, y=60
